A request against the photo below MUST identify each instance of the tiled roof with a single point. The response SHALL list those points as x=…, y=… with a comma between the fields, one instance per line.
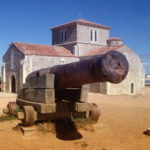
x=114, y=39
x=102, y=50
x=43, y=50
x=82, y=22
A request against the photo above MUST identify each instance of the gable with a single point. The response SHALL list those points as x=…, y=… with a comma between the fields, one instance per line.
x=11, y=49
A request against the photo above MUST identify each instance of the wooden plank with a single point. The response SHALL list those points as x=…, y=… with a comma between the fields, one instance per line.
x=39, y=95
x=84, y=93
x=28, y=131
x=82, y=107
x=39, y=107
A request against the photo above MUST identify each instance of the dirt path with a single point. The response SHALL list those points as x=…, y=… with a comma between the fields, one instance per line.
x=121, y=127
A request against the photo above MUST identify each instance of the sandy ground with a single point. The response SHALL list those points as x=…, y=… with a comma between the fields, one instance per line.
x=121, y=127
x=5, y=98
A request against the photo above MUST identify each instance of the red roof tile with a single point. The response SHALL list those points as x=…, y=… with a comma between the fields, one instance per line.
x=82, y=22
x=102, y=50
x=114, y=39
x=43, y=50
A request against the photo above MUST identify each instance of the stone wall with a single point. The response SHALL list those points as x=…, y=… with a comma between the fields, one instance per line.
x=134, y=80
x=82, y=48
x=12, y=70
x=34, y=62
x=71, y=34
x=83, y=35
x=79, y=48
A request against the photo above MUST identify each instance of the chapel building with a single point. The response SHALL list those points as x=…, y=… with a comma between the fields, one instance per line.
x=71, y=42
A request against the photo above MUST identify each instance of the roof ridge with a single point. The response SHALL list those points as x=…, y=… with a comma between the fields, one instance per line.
x=114, y=38
x=31, y=44
x=85, y=22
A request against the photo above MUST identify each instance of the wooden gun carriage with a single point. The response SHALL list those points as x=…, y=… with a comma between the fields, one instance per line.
x=61, y=91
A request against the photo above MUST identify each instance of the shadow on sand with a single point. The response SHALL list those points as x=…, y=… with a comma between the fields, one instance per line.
x=66, y=130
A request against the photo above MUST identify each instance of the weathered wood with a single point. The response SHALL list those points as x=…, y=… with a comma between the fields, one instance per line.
x=84, y=93
x=42, y=81
x=38, y=95
x=29, y=131
x=39, y=107
x=82, y=107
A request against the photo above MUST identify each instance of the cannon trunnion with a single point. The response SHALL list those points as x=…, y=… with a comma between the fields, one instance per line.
x=61, y=91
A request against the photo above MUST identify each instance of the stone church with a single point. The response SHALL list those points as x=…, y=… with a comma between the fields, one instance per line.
x=71, y=42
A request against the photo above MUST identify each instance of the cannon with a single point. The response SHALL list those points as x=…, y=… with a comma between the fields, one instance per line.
x=61, y=91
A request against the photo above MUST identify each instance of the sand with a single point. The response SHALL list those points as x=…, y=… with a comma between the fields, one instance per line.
x=120, y=127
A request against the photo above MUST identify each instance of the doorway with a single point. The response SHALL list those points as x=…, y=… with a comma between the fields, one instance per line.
x=13, y=84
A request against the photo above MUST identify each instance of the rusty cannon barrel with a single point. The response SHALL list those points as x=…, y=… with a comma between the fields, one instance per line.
x=109, y=67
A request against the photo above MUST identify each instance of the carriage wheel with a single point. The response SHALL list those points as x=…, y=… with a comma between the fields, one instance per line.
x=95, y=113
x=12, y=108
x=29, y=115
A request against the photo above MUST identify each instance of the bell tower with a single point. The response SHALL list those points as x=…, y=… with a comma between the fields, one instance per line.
x=80, y=35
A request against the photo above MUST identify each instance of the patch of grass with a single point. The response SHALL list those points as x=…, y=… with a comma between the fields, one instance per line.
x=18, y=109
x=60, y=125
x=84, y=123
x=84, y=145
x=46, y=127
x=6, y=118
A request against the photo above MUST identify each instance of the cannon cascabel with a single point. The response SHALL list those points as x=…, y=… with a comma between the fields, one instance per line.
x=109, y=67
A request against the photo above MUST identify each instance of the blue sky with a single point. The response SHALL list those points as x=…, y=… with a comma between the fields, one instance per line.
x=30, y=20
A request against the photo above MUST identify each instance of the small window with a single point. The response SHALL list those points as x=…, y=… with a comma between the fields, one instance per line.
x=95, y=35
x=62, y=61
x=12, y=60
x=65, y=39
x=63, y=36
x=91, y=35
